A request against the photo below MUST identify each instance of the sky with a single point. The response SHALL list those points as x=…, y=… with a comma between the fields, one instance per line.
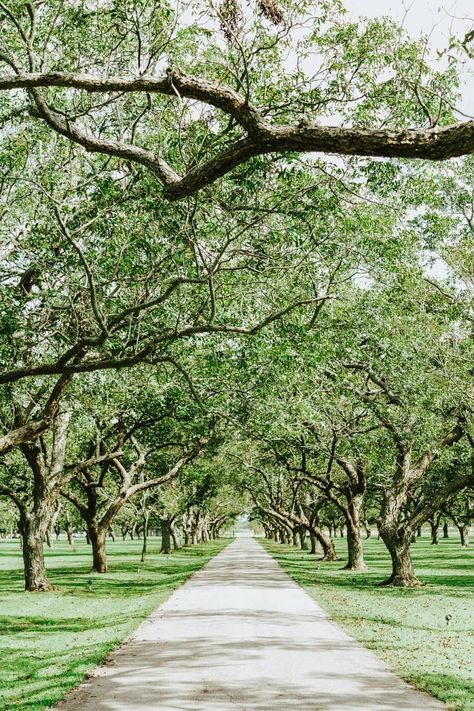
x=420, y=16
x=441, y=18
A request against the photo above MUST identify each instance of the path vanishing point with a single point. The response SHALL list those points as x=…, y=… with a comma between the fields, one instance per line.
x=241, y=634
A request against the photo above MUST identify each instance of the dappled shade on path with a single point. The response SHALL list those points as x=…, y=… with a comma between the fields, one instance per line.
x=240, y=634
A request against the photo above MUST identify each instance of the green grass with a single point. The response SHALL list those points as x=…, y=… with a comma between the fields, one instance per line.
x=50, y=641
x=405, y=627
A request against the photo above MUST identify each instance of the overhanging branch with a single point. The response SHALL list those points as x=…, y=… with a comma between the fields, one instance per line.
x=261, y=137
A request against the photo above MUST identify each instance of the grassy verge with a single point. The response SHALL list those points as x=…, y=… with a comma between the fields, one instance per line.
x=49, y=642
x=406, y=628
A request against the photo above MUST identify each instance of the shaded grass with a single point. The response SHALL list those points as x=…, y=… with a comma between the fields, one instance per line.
x=50, y=641
x=405, y=627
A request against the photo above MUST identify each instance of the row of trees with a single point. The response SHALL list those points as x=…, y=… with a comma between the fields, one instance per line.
x=276, y=340
x=371, y=419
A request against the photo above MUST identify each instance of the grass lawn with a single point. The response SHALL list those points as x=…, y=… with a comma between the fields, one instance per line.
x=406, y=628
x=49, y=641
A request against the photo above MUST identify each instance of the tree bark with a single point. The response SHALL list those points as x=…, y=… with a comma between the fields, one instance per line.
x=69, y=532
x=329, y=550
x=144, y=545
x=35, y=525
x=434, y=533
x=261, y=136
x=165, y=536
x=313, y=542
x=302, y=536
x=175, y=537
x=355, y=550
x=32, y=535
x=464, y=534
x=352, y=514
x=398, y=545
x=97, y=537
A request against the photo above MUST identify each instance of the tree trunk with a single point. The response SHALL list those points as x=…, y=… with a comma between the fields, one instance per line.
x=329, y=551
x=314, y=543
x=32, y=534
x=69, y=533
x=144, y=545
x=195, y=531
x=418, y=531
x=112, y=534
x=302, y=536
x=398, y=545
x=464, y=534
x=355, y=550
x=175, y=537
x=434, y=532
x=165, y=536
x=97, y=537
x=445, y=530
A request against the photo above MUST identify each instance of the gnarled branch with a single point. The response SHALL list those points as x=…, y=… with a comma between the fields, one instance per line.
x=261, y=137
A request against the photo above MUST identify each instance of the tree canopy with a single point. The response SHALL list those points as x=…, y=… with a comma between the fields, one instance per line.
x=227, y=284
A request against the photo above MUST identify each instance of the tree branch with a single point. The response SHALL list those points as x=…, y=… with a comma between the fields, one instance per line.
x=261, y=137
x=61, y=367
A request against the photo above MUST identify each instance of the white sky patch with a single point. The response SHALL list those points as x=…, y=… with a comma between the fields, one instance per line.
x=434, y=267
x=363, y=280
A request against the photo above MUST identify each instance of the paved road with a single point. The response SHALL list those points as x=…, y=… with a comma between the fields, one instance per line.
x=240, y=634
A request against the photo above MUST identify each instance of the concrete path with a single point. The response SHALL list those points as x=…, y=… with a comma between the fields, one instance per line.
x=240, y=634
